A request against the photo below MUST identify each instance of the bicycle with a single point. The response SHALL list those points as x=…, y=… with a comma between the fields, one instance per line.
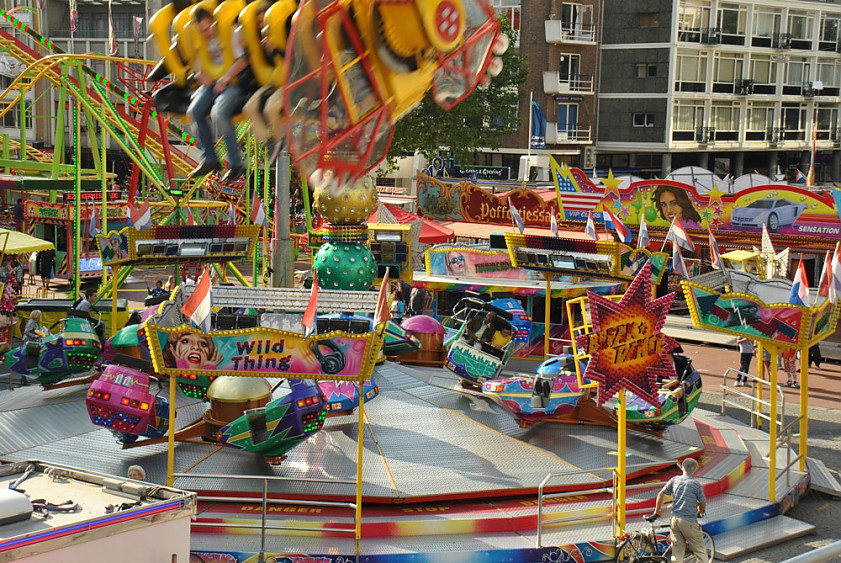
x=647, y=546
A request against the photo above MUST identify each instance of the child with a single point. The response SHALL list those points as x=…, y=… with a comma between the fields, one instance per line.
x=791, y=366
x=189, y=350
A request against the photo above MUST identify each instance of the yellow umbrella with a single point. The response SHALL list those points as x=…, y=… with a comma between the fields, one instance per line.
x=13, y=242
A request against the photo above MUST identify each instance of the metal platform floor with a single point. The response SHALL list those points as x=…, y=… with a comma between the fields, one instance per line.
x=447, y=475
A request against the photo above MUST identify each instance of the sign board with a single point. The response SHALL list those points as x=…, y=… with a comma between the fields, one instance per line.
x=112, y=195
x=460, y=261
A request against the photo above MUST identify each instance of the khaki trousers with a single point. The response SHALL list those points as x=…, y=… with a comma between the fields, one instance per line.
x=687, y=534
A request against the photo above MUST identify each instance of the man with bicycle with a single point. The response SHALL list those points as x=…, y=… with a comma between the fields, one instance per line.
x=688, y=504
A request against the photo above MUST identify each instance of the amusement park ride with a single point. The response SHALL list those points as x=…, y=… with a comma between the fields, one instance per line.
x=273, y=363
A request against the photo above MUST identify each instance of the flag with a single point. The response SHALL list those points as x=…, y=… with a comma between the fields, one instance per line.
x=554, y=226
x=112, y=35
x=94, y=227
x=74, y=15
x=258, y=211
x=309, y=315
x=140, y=217
x=715, y=255
x=678, y=265
x=835, y=276
x=590, y=227
x=382, y=314
x=642, y=238
x=677, y=235
x=799, y=178
x=188, y=216
x=138, y=24
x=611, y=221
x=538, y=126
x=800, y=287
x=515, y=216
x=826, y=276
x=232, y=216
x=197, y=306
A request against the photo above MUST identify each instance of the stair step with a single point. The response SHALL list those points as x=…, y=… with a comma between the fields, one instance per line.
x=822, y=480
x=759, y=535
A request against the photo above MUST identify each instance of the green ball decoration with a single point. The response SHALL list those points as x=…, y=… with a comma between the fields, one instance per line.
x=650, y=214
x=344, y=265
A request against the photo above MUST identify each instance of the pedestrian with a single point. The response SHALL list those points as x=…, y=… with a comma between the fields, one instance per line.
x=815, y=356
x=46, y=267
x=417, y=298
x=745, y=356
x=791, y=365
x=397, y=306
x=688, y=504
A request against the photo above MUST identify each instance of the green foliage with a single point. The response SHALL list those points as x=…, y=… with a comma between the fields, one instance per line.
x=480, y=121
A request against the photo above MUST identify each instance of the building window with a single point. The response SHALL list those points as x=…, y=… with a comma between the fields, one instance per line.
x=692, y=19
x=727, y=68
x=797, y=72
x=766, y=22
x=829, y=29
x=687, y=117
x=643, y=120
x=645, y=70
x=725, y=119
x=650, y=20
x=800, y=26
x=732, y=20
x=510, y=9
x=760, y=122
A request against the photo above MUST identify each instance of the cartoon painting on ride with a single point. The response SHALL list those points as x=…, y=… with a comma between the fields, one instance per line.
x=461, y=261
x=783, y=209
x=627, y=348
x=261, y=351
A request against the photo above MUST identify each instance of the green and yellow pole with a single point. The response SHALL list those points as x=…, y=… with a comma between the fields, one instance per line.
x=360, y=437
x=114, y=293
x=772, y=428
x=804, y=408
x=170, y=451
x=77, y=204
x=621, y=466
x=547, y=325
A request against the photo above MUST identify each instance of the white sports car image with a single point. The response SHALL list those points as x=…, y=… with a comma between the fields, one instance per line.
x=770, y=211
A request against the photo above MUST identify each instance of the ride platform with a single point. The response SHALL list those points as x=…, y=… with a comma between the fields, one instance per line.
x=446, y=475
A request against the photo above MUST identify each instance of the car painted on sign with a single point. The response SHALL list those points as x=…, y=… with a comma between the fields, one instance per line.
x=770, y=211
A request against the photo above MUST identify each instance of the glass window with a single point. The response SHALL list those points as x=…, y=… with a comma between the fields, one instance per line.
x=794, y=118
x=763, y=70
x=728, y=68
x=645, y=70
x=766, y=22
x=643, y=120
x=800, y=25
x=760, y=117
x=688, y=116
x=797, y=72
x=731, y=19
x=650, y=20
x=725, y=118
x=829, y=29
x=828, y=74
x=691, y=67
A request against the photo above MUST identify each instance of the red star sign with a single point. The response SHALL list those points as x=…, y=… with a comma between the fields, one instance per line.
x=627, y=348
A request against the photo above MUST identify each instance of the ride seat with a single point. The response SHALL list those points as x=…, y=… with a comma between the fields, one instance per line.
x=257, y=425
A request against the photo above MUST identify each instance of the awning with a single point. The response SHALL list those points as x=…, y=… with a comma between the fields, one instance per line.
x=431, y=232
x=21, y=243
x=484, y=231
x=517, y=287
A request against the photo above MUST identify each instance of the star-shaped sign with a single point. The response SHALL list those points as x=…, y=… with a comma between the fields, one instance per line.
x=627, y=347
x=715, y=195
x=611, y=184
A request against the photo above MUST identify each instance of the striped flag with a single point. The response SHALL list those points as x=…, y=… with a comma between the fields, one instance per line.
x=826, y=276
x=74, y=15
x=382, y=314
x=642, y=238
x=678, y=235
x=835, y=276
x=94, y=226
x=308, y=319
x=112, y=36
x=715, y=255
x=197, y=307
x=678, y=265
x=554, y=226
x=188, y=217
x=515, y=216
x=590, y=227
x=611, y=221
x=232, y=216
x=258, y=211
x=141, y=217
x=800, y=288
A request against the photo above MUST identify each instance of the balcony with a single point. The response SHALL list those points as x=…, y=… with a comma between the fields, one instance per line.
x=573, y=133
x=775, y=135
x=559, y=31
x=705, y=135
x=564, y=83
x=781, y=41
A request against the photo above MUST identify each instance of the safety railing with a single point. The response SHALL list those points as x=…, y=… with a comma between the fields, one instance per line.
x=544, y=521
x=755, y=405
x=265, y=501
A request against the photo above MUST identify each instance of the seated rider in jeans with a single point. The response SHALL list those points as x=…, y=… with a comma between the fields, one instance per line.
x=688, y=503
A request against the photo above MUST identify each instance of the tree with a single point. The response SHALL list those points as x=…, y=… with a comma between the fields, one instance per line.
x=479, y=121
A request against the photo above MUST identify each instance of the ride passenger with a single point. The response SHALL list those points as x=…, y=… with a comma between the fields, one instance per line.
x=189, y=350
x=481, y=329
x=159, y=290
x=501, y=338
x=31, y=332
x=87, y=301
x=136, y=472
x=221, y=98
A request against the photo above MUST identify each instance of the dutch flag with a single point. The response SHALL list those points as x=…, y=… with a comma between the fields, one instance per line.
x=94, y=226
x=258, y=212
x=141, y=217
x=516, y=217
x=715, y=255
x=799, y=178
x=232, y=216
x=678, y=235
x=835, y=275
x=642, y=238
x=590, y=227
x=678, y=265
x=800, y=288
x=197, y=307
x=611, y=221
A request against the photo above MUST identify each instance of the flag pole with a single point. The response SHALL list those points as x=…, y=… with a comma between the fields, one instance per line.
x=527, y=170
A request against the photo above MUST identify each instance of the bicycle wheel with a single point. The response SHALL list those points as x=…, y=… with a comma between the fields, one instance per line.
x=709, y=545
x=633, y=549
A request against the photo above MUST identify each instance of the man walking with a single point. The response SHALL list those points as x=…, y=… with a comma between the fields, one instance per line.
x=745, y=356
x=688, y=504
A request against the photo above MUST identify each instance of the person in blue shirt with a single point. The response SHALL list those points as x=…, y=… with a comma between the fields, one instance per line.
x=688, y=504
